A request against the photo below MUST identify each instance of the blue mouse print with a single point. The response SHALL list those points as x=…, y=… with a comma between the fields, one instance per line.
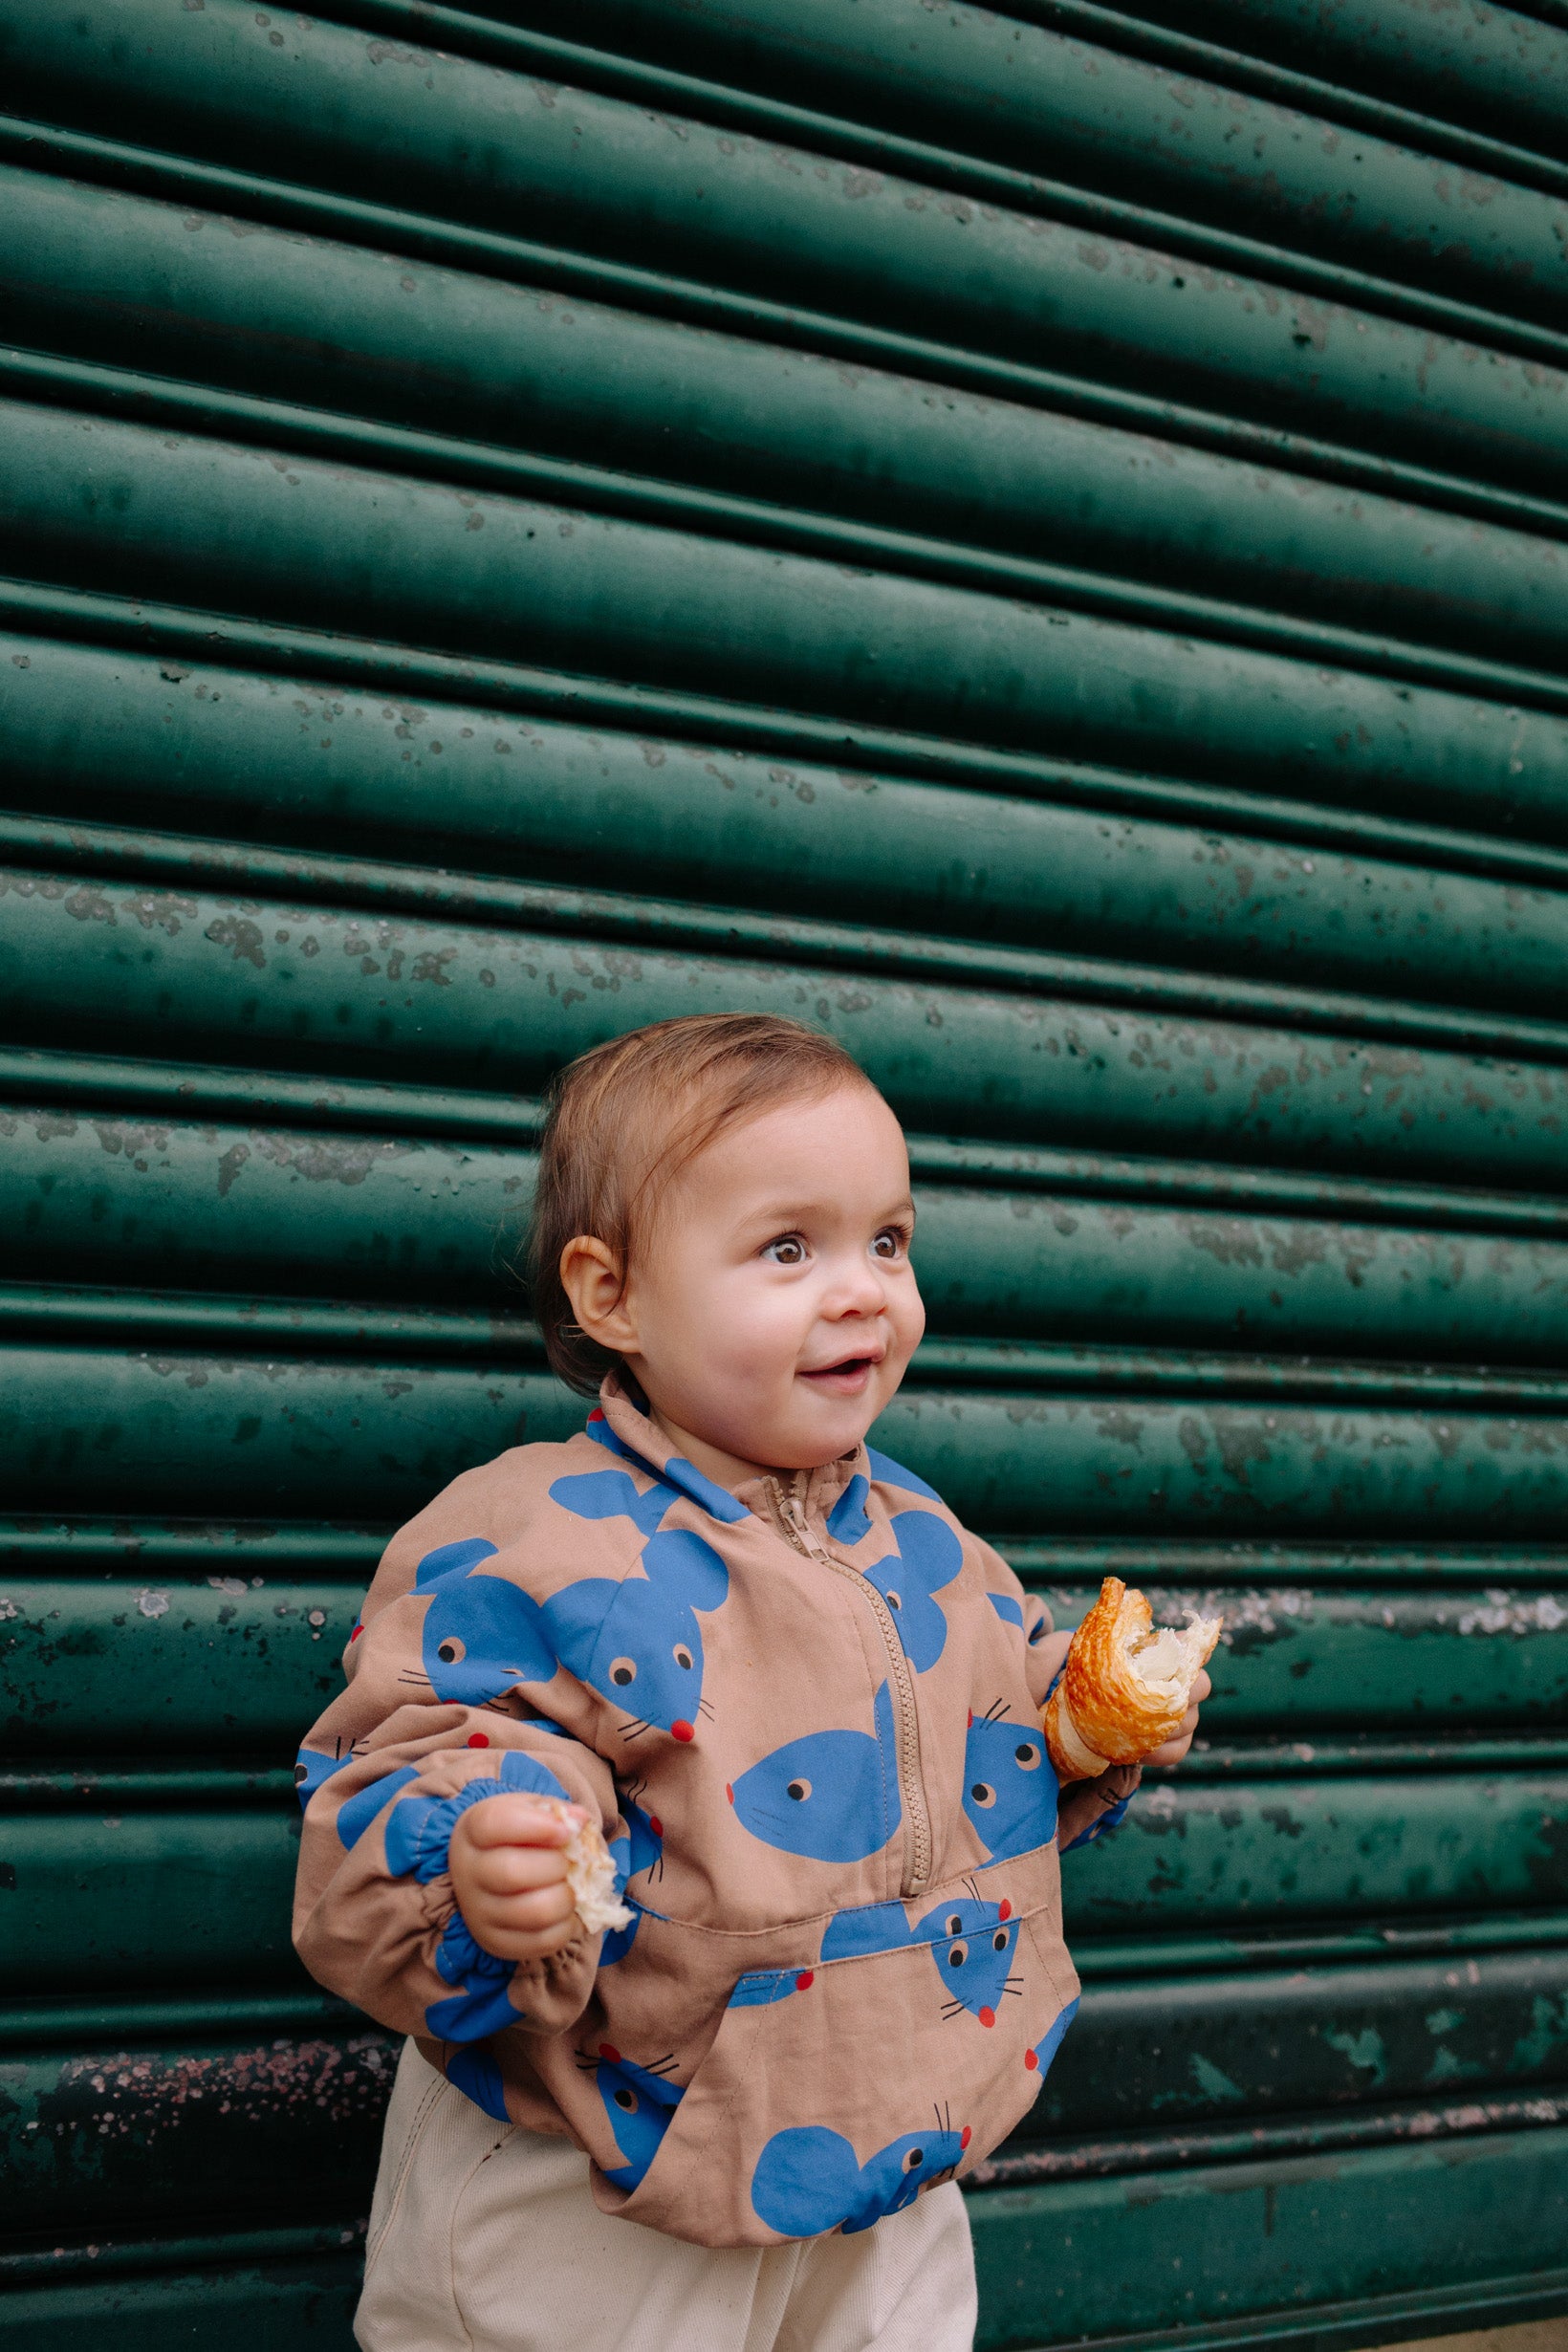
x=635, y=1641
x=1010, y=1790
x=480, y=1634
x=831, y=1797
x=808, y=2180
x=929, y=1558
x=973, y=1950
x=613, y=1495
x=638, y=1641
x=639, y=2104
x=970, y=1941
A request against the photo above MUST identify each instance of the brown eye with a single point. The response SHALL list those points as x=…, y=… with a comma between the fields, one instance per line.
x=450, y=1652
x=983, y=1794
x=623, y=1670
x=682, y=1656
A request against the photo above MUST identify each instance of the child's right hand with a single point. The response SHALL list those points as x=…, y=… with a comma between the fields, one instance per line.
x=509, y=1876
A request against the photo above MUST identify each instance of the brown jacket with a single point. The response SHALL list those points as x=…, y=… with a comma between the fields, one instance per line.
x=808, y=1720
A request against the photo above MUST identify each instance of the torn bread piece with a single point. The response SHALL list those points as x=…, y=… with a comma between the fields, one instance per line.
x=590, y=1872
x=1126, y=1684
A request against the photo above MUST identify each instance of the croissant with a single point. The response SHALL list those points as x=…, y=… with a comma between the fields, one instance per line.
x=590, y=1873
x=1125, y=1685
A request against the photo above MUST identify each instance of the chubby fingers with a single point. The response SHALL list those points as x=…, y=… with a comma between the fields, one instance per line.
x=509, y=1876
x=1173, y=1749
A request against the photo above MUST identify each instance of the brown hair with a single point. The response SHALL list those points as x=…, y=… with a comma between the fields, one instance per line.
x=628, y=1115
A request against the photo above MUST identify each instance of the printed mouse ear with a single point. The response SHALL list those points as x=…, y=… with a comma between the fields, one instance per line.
x=687, y=1569
x=929, y=1545
x=451, y=1560
x=806, y=2181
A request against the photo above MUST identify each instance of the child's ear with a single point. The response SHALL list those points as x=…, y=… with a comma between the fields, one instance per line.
x=594, y=1278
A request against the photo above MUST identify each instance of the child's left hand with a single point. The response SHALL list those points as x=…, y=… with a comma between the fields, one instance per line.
x=1173, y=1749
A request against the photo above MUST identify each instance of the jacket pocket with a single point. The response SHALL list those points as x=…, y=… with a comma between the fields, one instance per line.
x=836, y=2090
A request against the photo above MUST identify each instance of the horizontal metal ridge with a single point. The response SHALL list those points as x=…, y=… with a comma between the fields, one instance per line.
x=1322, y=1944
x=1162, y=2150
x=345, y=885
x=1257, y=1562
x=269, y=647
x=523, y=49
x=145, y=1318
x=1321, y=1757
x=127, y=2256
x=108, y=2025
x=95, y=1544
x=1037, y=1364
x=90, y=1788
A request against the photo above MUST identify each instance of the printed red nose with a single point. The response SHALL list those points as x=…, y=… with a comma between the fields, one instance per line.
x=1004, y=1911
x=682, y=1731
x=1032, y=2059
x=988, y=2016
x=804, y=1982
x=965, y=2137
x=729, y=1791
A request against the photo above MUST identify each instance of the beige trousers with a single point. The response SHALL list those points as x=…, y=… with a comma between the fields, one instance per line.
x=486, y=2238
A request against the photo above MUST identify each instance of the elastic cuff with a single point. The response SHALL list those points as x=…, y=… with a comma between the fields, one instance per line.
x=1102, y=1827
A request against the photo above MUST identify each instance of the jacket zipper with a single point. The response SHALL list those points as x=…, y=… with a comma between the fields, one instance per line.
x=917, y=1818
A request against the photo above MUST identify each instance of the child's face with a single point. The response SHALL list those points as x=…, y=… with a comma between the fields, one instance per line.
x=773, y=1309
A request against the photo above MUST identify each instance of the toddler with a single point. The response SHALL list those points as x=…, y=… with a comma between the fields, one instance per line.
x=801, y=1704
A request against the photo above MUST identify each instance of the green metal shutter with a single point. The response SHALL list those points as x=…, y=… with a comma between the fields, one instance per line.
x=1035, y=541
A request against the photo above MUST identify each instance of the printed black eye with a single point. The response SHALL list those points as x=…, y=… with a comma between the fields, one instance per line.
x=799, y=1790
x=1027, y=1756
x=957, y=1954
x=299, y=1773
x=623, y=1670
x=625, y=2101
x=450, y=1652
x=682, y=1656
x=914, y=2159
x=955, y=1925
x=998, y=1942
x=893, y=1601
x=983, y=1792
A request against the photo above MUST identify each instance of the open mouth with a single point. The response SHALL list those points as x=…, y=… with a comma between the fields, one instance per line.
x=846, y=1378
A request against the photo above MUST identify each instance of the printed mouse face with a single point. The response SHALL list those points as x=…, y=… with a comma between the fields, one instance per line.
x=973, y=1947
x=832, y=1797
x=481, y=1633
x=636, y=1641
x=1010, y=1790
x=639, y=2107
x=639, y=1644
x=808, y=2180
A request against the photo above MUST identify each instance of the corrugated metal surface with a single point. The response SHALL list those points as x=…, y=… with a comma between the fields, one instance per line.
x=1036, y=540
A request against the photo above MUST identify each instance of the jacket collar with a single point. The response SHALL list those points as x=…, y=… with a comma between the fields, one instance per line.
x=622, y=1423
